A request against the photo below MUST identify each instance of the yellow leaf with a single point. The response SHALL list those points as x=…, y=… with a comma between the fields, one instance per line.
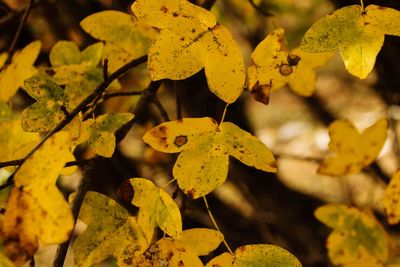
x=21, y=68
x=191, y=40
x=256, y=255
x=67, y=53
x=358, y=33
x=274, y=67
x=365, y=260
x=125, y=38
x=36, y=210
x=110, y=232
x=100, y=132
x=205, y=148
x=13, y=138
x=392, y=198
x=353, y=151
x=181, y=252
x=354, y=234
x=4, y=261
x=47, y=112
x=156, y=208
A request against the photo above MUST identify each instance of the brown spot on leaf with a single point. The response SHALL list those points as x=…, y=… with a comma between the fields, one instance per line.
x=191, y=193
x=164, y=9
x=285, y=69
x=175, y=14
x=180, y=140
x=293, y=60
x=261, y=93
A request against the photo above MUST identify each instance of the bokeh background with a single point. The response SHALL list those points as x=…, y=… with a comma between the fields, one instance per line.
x=252, y=206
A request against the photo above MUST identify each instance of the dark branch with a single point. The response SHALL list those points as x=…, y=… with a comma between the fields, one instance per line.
x=105, y=69
x=111, y=94
x=160, y=107
x=13, y=45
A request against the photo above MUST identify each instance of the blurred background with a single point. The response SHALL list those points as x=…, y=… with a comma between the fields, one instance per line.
x=252, y=206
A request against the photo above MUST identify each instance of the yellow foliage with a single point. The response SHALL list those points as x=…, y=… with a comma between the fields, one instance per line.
x=391, y=201
x=36, y=210
x=47, y=112
x=157, y=208
x=205, y=148
x=274, y=67
x=355, y=234
x=100, y=132
x=256, y=255
x=110, y=232
x=125, y=38
x=181, y=252
x=190, y=40
x=359, y=35
x=21, y=68
x=353, y=151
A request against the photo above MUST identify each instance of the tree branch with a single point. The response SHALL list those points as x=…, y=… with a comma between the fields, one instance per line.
x=259, y=10
x=160, y=107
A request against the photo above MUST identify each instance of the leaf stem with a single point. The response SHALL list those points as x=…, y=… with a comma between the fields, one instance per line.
x=168, y=183
x=216, y=225
x=362, y=4
x=224, y=114
x=259, y=9
x=160, y=107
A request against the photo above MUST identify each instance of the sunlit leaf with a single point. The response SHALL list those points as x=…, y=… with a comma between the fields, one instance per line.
x=191, y=40
x=125, y=38
x=13, y=76
x=36, y=210
x=353, y=151
x=354, y=234
x=256, y=255
x=205, y=148
x=13, y=138
x=110, y=232
x=100, y=132
x=157, y=208
x=181, y=252
x=274, y=67
x=358, y=33
x=391, y=201
x=4, y=261
x=47, y=111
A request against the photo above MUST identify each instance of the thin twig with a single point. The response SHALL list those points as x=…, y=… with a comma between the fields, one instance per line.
x=178, y=101
x=13, y=45
x=98, y=91
x=216, y=225
x=19, y=161
x=105, y=69
x=260, y=10
x=76, y=206
x=111, y=94
x=160, y=107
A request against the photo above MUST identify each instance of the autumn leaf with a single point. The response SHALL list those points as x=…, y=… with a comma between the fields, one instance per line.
x=256, y=255
x=184, y=251
x=157, y=208
x=392, y=198
x=189, y=41
x=352, y=151
x=125, y=38
x=205, y=148
x=274, y=67
x=4, y=261
x=14, y=142
x=359, y=35
x=21, y=68
x=354, y=235
x=36, y=210
x=47, y=112
x=100, y=132
x=111, y=231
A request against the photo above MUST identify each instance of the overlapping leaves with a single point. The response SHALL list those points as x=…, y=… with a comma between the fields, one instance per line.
x=274, y=67
x=359, y=35
x=125, y=38
x=111, y=231
x=205, y=147
x=189, y=41
x=157, y=208
x=36, y=210
x=353, y=151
